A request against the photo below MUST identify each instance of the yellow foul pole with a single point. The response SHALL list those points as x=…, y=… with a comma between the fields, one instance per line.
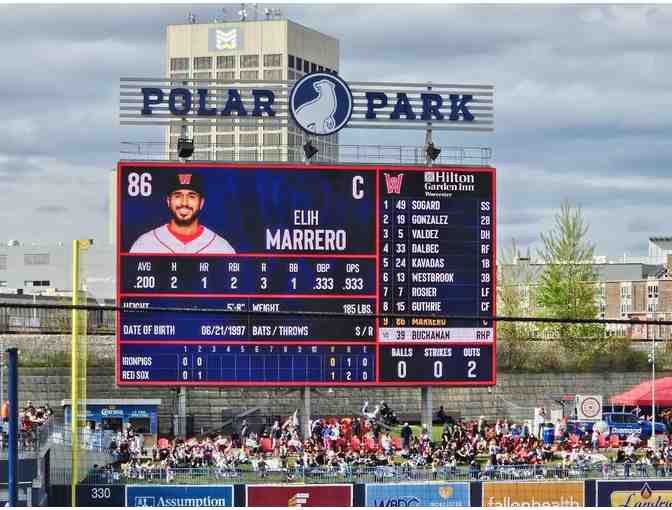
x=74, y=377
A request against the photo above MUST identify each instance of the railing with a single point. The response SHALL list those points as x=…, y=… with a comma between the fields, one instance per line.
x=368, y=154
x=367, y=474
x=97, y=441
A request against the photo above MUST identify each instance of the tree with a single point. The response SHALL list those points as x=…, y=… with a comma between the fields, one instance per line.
x=513, y=281
x=566, y=288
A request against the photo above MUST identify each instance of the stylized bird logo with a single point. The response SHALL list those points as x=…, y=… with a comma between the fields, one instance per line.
x=318, y=115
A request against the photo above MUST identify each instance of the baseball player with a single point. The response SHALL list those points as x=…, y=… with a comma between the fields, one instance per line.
x=183, y=234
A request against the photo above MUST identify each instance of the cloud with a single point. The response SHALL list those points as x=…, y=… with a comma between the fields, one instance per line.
x=51, y=209
x=581, y=95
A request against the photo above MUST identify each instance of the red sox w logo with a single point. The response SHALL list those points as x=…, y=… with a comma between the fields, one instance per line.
x=184, y=178
x=393, y=183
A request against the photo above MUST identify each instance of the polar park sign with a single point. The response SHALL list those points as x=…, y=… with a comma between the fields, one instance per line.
x=320, y=103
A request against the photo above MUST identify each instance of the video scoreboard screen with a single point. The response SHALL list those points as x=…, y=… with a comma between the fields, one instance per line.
x=291, y=274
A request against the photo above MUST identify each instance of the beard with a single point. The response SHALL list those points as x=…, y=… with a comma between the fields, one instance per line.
x=187, y=221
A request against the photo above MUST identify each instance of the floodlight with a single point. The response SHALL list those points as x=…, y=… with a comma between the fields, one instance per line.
x=309, y=150
x=185, y=147
x=432, y=151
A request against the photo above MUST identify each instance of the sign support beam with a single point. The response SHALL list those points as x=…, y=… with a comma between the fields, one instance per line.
x=426, y=412
x=306, y=412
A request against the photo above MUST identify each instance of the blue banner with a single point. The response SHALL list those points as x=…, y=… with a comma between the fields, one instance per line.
x=634, y=493
x=179, y=495
x=420, y=494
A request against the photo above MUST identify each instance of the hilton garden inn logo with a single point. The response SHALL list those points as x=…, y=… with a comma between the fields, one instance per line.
x=445, y=183
x=223, y=40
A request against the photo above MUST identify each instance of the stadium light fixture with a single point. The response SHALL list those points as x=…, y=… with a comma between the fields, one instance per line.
x=309, y=150
x=432, y=151
x=185, y=148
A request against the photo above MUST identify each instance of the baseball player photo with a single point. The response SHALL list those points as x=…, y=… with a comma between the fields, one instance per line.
x=184, y=233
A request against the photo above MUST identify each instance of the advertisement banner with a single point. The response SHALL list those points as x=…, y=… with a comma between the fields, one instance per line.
x=417, y=494
x=588, y=407
x=299, y=495
x=634, y=493
x=179, y=495
x=510, y=494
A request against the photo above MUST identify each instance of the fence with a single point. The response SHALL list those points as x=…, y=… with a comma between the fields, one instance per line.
x=390, y=154
x=364, y=474
x=15, y=319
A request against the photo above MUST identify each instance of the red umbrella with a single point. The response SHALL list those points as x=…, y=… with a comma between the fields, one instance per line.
x=640, y=395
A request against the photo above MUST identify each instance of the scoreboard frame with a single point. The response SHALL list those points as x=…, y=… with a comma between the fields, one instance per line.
x=374, y=168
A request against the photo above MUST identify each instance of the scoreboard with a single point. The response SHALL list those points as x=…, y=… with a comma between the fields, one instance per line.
x=290, y=274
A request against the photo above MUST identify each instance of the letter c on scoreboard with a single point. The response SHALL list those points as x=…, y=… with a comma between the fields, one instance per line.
x=357, y=187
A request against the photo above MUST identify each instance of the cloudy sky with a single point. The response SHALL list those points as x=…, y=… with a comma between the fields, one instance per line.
x=583, y=99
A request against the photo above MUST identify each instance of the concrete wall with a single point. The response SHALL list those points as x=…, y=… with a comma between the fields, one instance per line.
x=515, y=395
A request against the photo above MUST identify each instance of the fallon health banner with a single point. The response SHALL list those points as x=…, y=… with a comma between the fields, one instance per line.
x=512, y=494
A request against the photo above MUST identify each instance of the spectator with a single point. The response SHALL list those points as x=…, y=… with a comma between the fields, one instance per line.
x=441, y=416
x=406, y=435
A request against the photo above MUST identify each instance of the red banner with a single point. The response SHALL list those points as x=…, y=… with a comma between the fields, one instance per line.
x=299, y=495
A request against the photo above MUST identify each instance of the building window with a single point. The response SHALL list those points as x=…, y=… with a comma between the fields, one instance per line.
x=272, y=155
x=225, y=124
x=248, y=155
x=226, y=75
x=652, y=290
x=202, y=140
x=274, y=60
x=225, y=139
x=327, y=70
x=202, y=76
x=299, y=64
x=249, y=139
x=179, y=76
x=3, y=283
x=290, y=61
x=271, y=138
x=320, y=68
x=313, y=67
x=201, y=129
x=249, y=75
x=36, y=259
x=226, y=62
x=203, y=156
x=179, y=64
x=273, y=74
x=36, y=283
x=3, y=261
x=248, y=61
x=291, y=75
x=201, y=63
x=306, y=66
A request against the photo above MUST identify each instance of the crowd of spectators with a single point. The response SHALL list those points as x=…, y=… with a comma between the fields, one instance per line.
x=345, y=444
x=31, y=418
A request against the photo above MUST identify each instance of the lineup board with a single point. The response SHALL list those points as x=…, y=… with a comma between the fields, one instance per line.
x=306, y=275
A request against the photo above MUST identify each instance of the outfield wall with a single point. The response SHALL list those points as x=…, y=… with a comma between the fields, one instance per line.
x=565, y=493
